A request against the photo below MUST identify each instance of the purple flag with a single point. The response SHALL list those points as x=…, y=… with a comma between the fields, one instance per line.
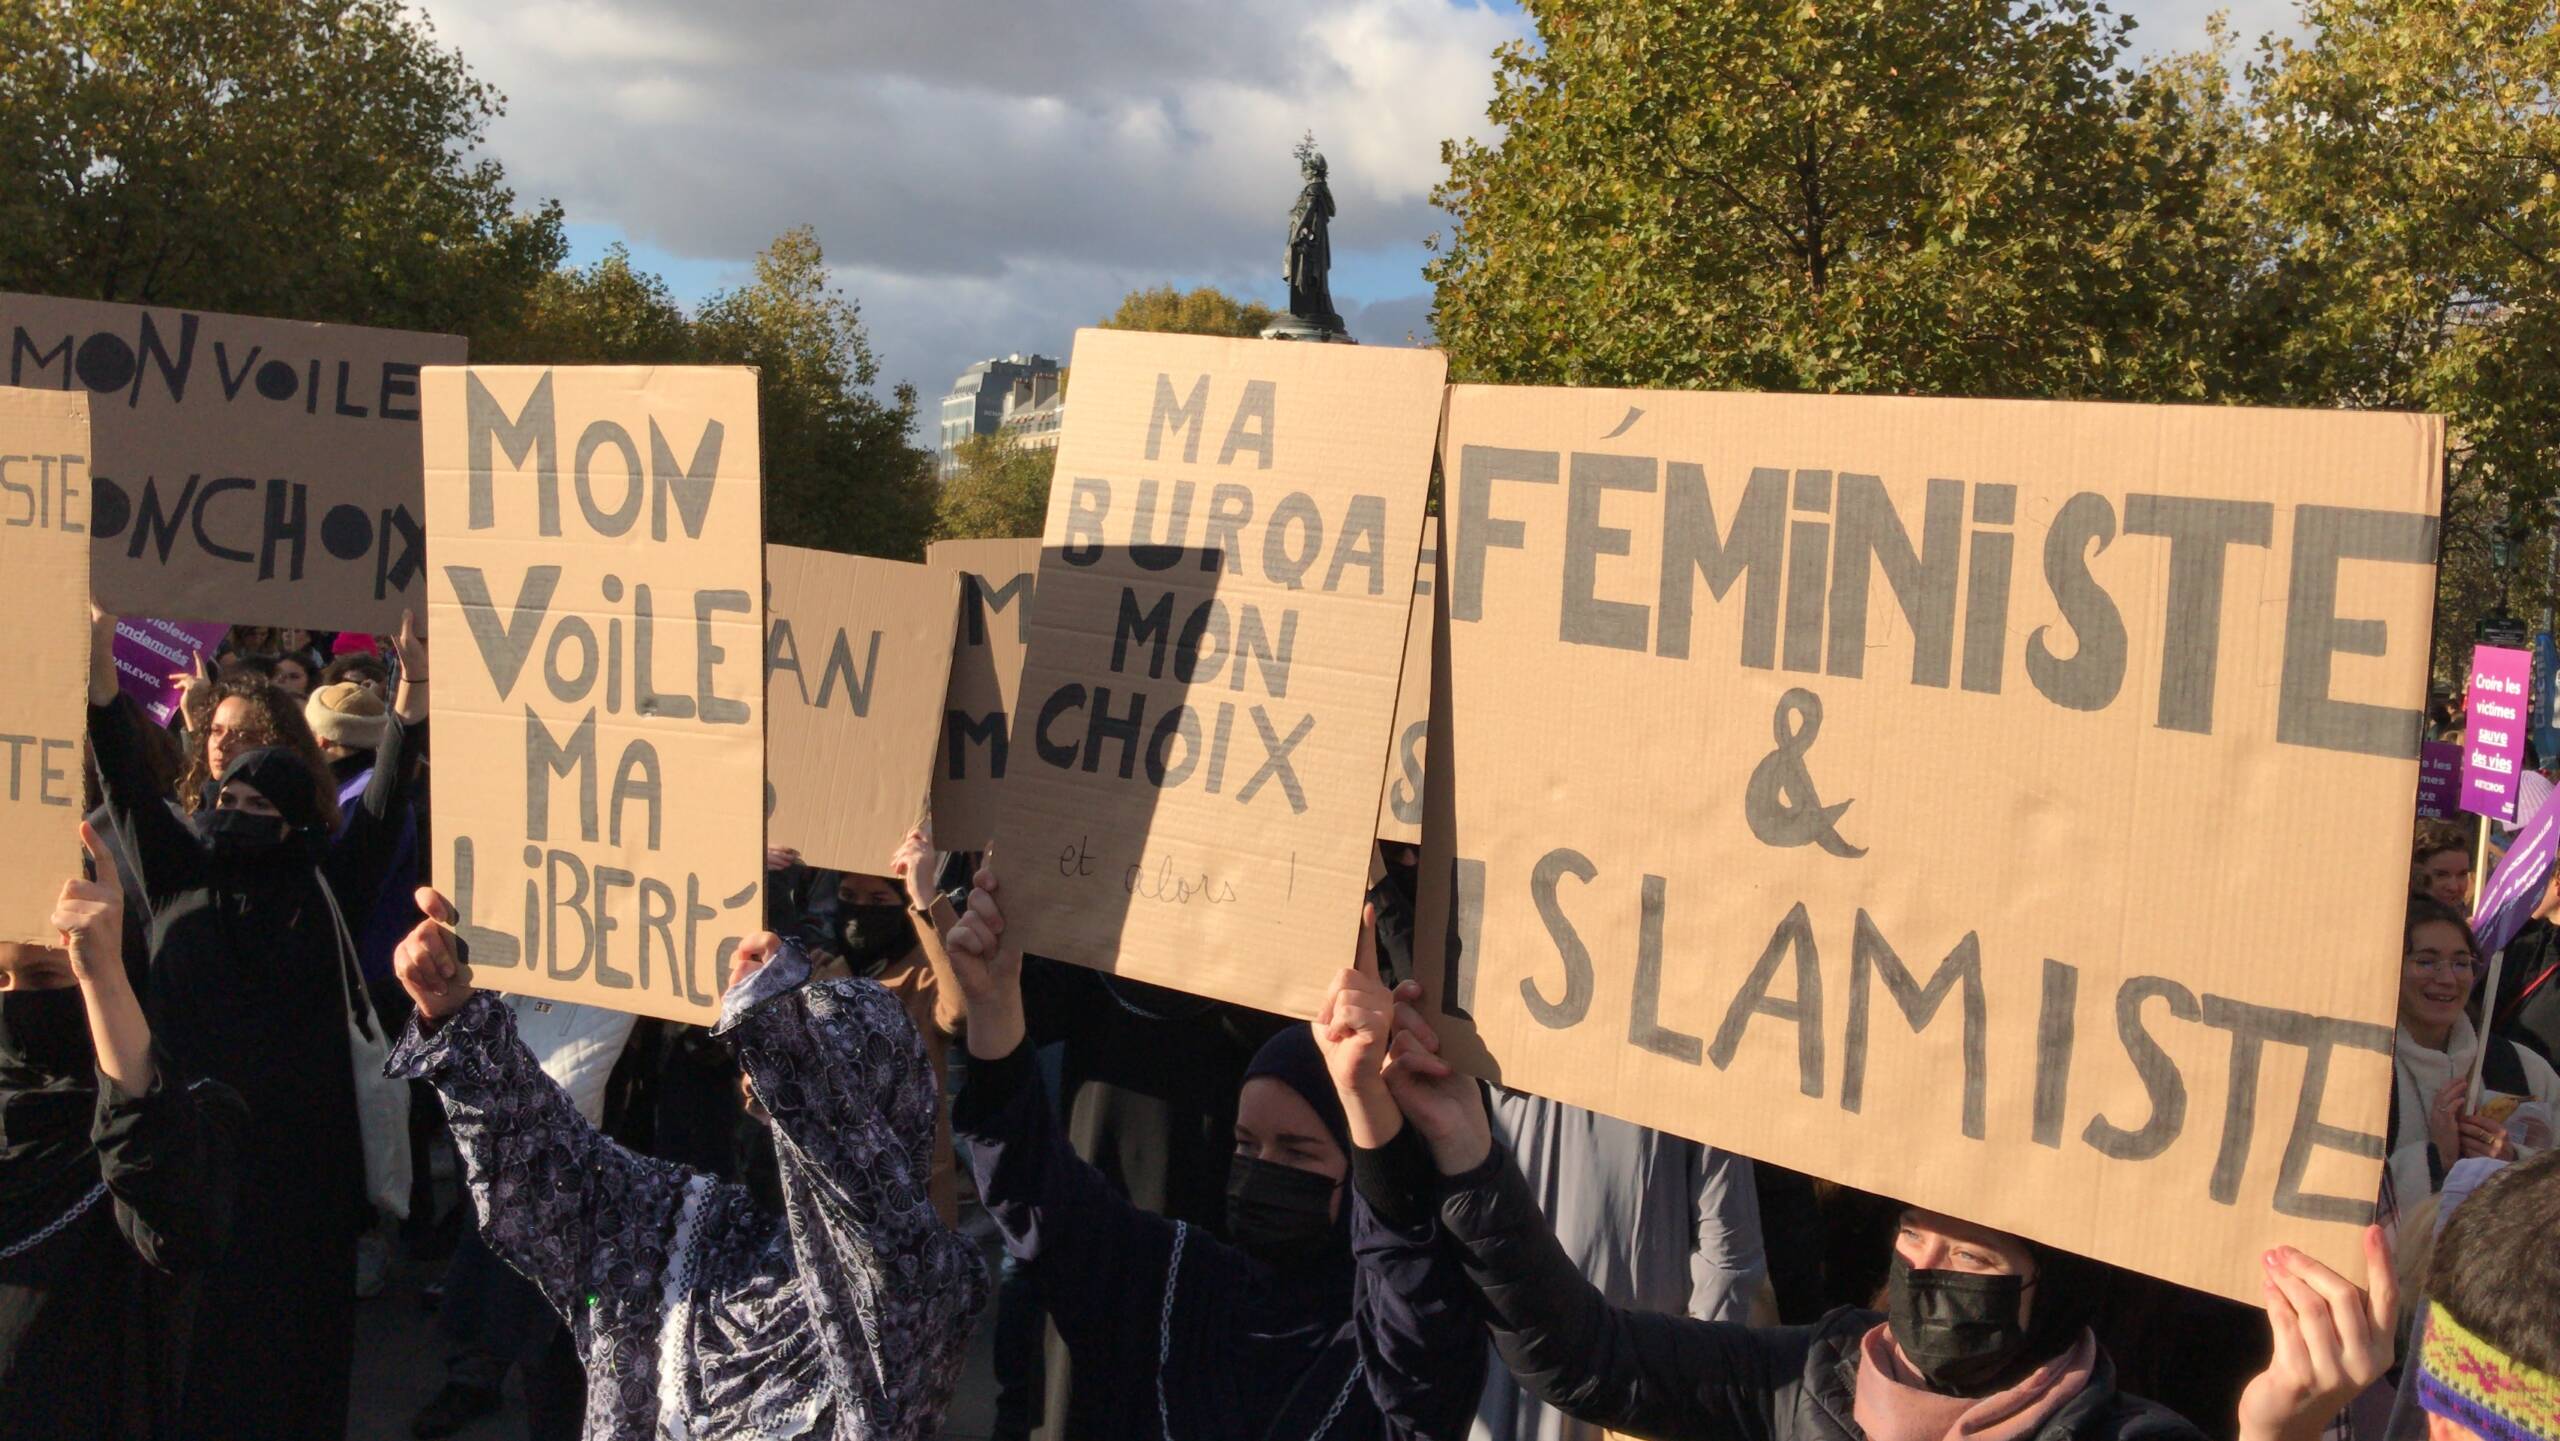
x=2439, y=780
x=2515, y=887
x=2493, y=731
x=148, y=652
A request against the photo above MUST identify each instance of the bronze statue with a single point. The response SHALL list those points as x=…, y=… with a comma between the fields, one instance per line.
x=1310, y=247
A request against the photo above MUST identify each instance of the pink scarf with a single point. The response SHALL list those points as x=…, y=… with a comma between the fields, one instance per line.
x=1893, y=1404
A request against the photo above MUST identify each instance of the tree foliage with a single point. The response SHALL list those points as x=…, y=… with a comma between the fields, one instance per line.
x=998, y=489
x=312, y=159
x=1204, y=311
x=1851, y=195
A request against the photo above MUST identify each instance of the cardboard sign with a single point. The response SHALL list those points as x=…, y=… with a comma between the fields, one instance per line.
x=857, y=652
x=44, y=551
x=1205, y=707
x=2439, y=780
x=597, y=605
x=996, y=582
x=1400, y=804
x=2493, y=731
x=246, y=471
x=1915, y=792
x=149, y=652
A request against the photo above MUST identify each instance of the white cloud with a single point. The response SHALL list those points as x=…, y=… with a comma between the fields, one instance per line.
x=987, y=177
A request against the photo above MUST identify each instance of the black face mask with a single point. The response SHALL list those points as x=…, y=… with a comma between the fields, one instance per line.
x=237, y=835
x=874, y=935
x=48, y=1031
x=1280, y=1215
x=1960, y=1331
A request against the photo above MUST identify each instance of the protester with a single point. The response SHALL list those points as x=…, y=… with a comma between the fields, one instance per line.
x=2432, y=1124
x=2440, y=865
x=2487, y=1363
x=1656, y=1222
x=292, y=674
x=843, y=1313
x=116, y=1186
x=362, y=667
x=1318, y=1321
x=1985, y=1334
x=242, y=712
x=253, y=984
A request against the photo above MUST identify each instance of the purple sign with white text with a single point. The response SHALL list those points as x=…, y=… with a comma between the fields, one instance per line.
x=2515, y=887
x=2439, y=780
x=2493, y=731
x=149, y=652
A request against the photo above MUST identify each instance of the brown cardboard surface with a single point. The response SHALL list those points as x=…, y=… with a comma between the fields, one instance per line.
x=857, y=655
x=1400, y=803
x=997, y=578
x=245, y=470
x=2108, y=860
x=597, y=607
x=1266, y=497
x=44, y=552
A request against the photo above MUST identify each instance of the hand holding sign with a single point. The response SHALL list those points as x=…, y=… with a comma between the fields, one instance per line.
x=432, y=965
x=90, y=917
x=1443, y=1104
x=2332, y=1339
x=989, y=969
x=1354, y=1030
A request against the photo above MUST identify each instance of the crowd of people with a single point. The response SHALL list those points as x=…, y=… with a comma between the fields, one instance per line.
x=257, y=1067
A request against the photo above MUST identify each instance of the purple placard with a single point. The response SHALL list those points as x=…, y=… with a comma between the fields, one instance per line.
x=148, y=652
x=2439, y=780
x=2515, y=887
x=2493, y=731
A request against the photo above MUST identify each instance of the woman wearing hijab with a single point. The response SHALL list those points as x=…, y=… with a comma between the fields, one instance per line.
x=843, y=1313
x=251, y=974
x=115, y=1186
x=2432, y=1124
x=1317, y=1321
x=1985, y=1335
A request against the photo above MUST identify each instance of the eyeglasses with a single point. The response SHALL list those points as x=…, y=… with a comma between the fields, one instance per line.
x=2434, y=961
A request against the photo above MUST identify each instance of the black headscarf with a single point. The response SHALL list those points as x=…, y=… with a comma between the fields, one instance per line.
x=284, y=778
x=1292, y=1059
x=48, y=1095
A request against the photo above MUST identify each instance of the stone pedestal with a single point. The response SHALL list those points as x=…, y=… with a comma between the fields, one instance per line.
x=1292, y=327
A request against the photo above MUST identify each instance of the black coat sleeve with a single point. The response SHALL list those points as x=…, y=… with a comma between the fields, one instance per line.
x=164, y=852
x=170, y=1158
x=1420, y=1326
x=1672, y=1377
x=362, y=856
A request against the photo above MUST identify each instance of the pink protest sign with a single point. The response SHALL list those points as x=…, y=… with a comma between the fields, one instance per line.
x=149, y=652
x=2439, y=780
x=2493, y=731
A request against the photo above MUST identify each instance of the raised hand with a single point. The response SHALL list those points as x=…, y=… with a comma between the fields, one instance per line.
x=989, y=970
x=916, y=862
x=89, y=916
x=1443, y=1104
x=753, y=953
x=2332, y=1339
x=410, y=645
x=1354, y=1029
x=430, y=963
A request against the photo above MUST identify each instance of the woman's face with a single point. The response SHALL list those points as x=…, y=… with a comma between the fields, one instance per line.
x=2435, y=976
x=33, y=968
x=1275, y=1124
x=2446, y=875
x=242, y=796
x=290, y=676
x=230, y=733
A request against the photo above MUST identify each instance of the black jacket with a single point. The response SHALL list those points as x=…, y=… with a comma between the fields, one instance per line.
x=1667, y=1376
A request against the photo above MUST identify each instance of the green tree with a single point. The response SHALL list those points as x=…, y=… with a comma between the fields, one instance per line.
x=998, y=489
x=608, y=313
x=1856, y=195
x=2411, y=162
x=840, y=473
x=1205, y=311
x=304, y=158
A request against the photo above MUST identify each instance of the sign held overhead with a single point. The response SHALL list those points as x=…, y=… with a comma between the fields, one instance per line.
x=44, y=551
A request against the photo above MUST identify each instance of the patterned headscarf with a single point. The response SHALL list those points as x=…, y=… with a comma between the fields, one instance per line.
x=2473, y=1384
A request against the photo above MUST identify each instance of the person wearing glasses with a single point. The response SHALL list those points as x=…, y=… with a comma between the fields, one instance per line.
x=2432, y=1122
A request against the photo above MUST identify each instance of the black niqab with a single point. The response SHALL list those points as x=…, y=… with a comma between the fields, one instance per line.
x=46, y=1154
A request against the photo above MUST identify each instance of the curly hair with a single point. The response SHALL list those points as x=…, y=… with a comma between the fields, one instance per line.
x=275, y=719
x=2437, y=837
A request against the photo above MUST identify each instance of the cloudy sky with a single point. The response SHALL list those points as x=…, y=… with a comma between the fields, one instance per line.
x=986, y=177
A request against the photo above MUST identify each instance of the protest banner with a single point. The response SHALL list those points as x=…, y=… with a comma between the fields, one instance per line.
x=2439, y=780
x=1400, y=803
x=151, y=655
x=597, y=602
x=996, y=580
x=1919, y=791
x=245, y=470
x=44, y=551
x=2493, y=730
x=1203, y=722
x=857, y=654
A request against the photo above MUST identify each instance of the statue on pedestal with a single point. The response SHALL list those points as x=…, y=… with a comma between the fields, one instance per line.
x=1310, y=258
